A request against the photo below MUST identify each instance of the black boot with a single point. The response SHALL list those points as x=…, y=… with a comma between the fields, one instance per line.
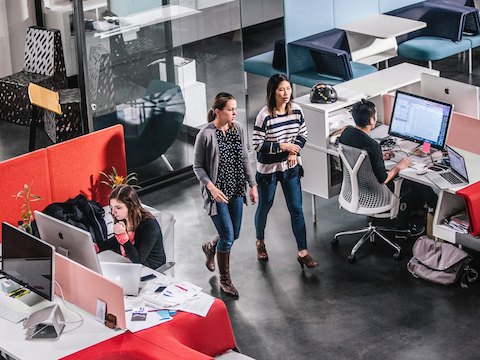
x=209, y=248
x=226, y=285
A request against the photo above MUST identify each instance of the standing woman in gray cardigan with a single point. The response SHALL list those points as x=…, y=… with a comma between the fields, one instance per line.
x=220, y=162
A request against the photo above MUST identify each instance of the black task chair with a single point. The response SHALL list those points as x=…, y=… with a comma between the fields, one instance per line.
x=361, y=193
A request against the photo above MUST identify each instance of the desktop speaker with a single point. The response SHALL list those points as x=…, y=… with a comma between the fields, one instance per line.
x=45, y=323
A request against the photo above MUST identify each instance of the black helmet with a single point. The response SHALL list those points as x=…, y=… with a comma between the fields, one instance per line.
x=323, y=94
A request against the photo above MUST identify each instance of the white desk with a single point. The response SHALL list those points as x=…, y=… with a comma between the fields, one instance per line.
x=13, y=341
x=383, y=26
x=373, y=39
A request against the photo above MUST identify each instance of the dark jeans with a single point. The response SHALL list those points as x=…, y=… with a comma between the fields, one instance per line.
x=292, y=190
x=413, y=196
x=227, y=222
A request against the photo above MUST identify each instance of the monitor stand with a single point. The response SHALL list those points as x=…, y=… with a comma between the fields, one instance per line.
x=30, y=298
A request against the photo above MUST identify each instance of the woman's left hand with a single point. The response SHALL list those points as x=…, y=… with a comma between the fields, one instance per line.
x=292, y=160
x=253, y=194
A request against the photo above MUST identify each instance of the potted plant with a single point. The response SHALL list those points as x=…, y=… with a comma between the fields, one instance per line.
x=114, y=179
x=26, y=213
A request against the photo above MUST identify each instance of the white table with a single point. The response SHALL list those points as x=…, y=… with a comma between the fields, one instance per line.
x=383, y=26
x=12, y=336
x=373, y=39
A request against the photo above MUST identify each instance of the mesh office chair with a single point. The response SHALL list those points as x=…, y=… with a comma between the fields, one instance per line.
x=361, y=193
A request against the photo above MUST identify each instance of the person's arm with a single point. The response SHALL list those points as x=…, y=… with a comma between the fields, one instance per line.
x=402, y=164
x=301, y=137
x=110, y=244
x=260, y=143
x=147, y=234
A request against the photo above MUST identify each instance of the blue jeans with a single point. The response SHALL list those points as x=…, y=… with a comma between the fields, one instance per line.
x=227, y=222
x=292, y=190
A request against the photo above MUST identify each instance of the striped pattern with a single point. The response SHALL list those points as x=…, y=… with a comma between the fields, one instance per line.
x=269, y=132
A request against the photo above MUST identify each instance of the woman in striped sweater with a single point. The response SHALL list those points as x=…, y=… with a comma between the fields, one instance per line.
x=278, y=136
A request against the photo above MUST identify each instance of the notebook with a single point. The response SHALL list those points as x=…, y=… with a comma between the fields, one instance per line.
x=453, y=177
x=126, y=275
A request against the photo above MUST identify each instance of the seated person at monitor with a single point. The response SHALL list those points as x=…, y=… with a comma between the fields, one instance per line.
x=412, y=195
x=137, y=233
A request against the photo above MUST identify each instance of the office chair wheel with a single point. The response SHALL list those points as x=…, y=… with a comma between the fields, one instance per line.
x=352, y=259
x=334, y=243
x=397, y=256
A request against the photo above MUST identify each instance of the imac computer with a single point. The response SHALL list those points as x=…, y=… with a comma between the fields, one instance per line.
x=420, y=119
x=68, y=240
x=28, y=261
x=463, y=96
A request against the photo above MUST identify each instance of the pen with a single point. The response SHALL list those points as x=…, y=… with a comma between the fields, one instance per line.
x=180, y=287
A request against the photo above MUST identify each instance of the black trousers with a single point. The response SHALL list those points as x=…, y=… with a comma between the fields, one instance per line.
x=413, y=197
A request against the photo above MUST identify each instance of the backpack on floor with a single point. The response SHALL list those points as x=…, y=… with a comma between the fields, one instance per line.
x=440, y=263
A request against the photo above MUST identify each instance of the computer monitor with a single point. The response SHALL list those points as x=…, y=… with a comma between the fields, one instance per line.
x=28, y=261
x=420, y=119
x=68, y=240
x=465, y=97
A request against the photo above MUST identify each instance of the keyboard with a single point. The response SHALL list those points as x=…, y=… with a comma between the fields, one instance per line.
x=452, y=179
x=11, y=315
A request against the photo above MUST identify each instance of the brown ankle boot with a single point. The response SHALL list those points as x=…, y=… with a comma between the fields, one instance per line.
x=223, y=259
x=209, y=248
x=261, y=250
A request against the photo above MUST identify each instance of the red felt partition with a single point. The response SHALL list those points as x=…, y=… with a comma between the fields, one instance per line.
x=31, y=169
x=125, y=346
x=211, y=335
x=75, y=164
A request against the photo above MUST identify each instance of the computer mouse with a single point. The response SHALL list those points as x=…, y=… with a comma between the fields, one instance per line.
x=422, y=171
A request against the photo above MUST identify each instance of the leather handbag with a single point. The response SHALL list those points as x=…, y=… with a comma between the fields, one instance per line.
x=440, y=263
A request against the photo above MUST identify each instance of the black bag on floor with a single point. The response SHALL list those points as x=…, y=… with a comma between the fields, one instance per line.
x=85, y=214
x=440, y=263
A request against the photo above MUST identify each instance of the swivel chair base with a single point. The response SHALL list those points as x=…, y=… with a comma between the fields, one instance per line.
x=370, y=233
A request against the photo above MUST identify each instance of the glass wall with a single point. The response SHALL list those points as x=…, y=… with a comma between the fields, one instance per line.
x=151, y=65
x=154, y=69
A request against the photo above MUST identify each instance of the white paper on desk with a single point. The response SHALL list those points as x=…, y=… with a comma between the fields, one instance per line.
x=200, y=304
x=174, y=294
x=153, y=319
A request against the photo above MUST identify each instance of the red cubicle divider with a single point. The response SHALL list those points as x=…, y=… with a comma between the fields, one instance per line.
x=28, y=169
x=75, y=164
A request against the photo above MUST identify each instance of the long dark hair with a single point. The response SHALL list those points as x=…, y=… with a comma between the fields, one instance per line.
x=362, y=112
x=127, y=195
x=272, y=86
x=219, y=102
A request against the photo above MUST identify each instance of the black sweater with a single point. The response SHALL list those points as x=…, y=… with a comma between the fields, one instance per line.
x=148, y=249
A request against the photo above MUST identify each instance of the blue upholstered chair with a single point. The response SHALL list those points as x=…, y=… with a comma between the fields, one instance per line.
x=324, y=57
x=443, y=36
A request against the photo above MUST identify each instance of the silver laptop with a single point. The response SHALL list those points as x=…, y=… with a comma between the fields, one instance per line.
x=126, y=275
x=455, y=176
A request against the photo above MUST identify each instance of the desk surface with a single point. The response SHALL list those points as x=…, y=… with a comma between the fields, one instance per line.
x=14, y=344
x=383, y=26
x=387, y=80
x=472, y=161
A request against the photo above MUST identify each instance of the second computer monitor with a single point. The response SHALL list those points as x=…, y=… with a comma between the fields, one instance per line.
x=69, y=240
x=465, y=97
x=420, y=119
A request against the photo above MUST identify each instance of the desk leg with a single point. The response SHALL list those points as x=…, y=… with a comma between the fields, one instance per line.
x=33, y=131
x=314, y=210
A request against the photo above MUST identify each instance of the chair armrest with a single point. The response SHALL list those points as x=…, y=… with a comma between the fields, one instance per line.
x=397, y=182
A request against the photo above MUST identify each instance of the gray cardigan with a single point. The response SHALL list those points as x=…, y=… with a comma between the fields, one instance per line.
x=205, y=162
